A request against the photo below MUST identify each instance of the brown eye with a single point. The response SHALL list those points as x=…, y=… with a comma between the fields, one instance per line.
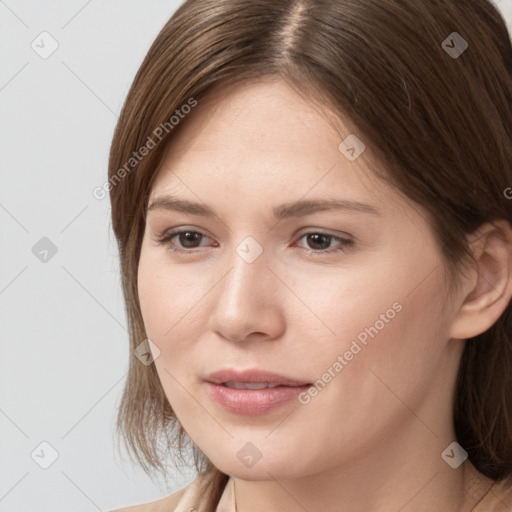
x=186, y=240
x=318, y=242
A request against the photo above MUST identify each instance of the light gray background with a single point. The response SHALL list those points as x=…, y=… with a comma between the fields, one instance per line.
x=64, y=343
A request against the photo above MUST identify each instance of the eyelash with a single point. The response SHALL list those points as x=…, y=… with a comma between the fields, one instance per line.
x=166, y=237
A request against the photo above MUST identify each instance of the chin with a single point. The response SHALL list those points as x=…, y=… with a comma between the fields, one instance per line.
x=262, y=470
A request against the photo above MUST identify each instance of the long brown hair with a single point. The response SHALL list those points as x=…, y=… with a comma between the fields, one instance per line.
x=439, y=122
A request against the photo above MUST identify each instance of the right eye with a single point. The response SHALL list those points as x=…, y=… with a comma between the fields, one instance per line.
x=187, y=239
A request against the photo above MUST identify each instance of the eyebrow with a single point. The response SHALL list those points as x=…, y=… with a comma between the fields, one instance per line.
x=294, y=209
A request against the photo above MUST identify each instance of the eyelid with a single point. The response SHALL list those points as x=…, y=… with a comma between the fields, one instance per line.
x=324, y=231
x=304, y=231
x=179, y=229
x=345, y=240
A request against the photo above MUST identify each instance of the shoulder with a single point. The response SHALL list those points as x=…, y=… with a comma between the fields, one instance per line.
x=163, y=505
x=169, y=503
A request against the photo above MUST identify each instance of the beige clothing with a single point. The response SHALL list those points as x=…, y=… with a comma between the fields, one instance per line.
x=189, y=499
x=498, y=498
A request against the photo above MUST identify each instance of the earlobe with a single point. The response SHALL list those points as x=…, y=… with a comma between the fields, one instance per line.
x=488, y=287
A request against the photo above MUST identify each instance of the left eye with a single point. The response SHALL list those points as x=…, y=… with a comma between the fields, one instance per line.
x=319, y=240
x=188, y=238
x=184, y=236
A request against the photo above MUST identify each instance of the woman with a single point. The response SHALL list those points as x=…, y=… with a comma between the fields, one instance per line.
x=311, y=202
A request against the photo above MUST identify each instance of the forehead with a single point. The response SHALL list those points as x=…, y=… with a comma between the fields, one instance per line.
x=267, y=113
x=263, y=141
x=262, y=127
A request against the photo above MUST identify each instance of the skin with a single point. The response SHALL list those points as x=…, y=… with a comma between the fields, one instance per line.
x=371, y=439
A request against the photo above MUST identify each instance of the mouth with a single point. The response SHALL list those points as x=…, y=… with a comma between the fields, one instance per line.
x=252, y=392
x=252, y=379
x=256, y=385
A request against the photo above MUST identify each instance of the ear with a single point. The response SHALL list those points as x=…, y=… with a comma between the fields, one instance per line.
x=487, y=288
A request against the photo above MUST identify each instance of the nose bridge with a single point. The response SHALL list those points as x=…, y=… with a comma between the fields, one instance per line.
x=248, y=268
x=245, y=297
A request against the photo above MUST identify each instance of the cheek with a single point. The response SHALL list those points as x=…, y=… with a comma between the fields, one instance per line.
x=150, y=293
x=401, y=360
x=388, y=364
x=168, y=298
x=346, y=305
x=388, y=322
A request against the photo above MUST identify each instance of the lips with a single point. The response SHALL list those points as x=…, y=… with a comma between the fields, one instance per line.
x=252, y=379
x=249, y=385
x=252, y=392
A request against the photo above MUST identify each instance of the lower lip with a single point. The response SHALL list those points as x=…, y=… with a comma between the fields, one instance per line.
x=253, y=401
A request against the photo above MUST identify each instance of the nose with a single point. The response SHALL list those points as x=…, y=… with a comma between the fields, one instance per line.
x=247, y=302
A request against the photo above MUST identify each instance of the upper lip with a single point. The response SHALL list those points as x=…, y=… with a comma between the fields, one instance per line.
x=252, y=375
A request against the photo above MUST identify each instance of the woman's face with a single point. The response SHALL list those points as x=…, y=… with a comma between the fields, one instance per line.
x=349, y=299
